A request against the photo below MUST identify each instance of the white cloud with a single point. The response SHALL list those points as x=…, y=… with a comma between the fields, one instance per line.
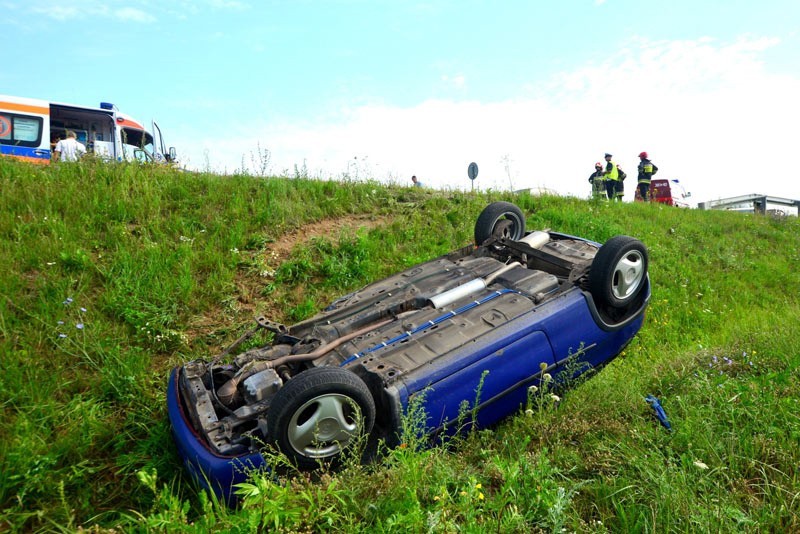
x=65, y=12
x=133, y=15
x=228, y=4
x=60, y=12
x=709, y=114
x=458, y=81
x=145, y=12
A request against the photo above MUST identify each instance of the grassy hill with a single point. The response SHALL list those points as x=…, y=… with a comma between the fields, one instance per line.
x=111, y=275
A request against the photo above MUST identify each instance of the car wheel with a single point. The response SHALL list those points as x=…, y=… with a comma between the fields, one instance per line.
x=502, y=220
x=618, y=271
x=318, y=414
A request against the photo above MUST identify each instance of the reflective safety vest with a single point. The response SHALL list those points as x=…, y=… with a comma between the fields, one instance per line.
x=646, y=171
x=613, y=175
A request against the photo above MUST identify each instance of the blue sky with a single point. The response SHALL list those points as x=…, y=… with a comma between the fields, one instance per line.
x=533, y=91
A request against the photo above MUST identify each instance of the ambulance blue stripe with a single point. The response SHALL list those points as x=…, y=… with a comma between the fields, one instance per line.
x=24, y=151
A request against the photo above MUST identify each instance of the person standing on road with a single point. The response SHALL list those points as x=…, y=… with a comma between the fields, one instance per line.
x=69, y=149
x=646, y=172
x=596, y=179
x=611, y=177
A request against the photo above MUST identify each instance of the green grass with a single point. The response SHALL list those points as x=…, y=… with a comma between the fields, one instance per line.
x=112, y=274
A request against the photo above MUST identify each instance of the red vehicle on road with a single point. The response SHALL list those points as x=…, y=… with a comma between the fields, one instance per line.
x=669, y=192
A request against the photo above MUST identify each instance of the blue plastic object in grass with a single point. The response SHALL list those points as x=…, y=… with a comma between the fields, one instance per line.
x=659, y=411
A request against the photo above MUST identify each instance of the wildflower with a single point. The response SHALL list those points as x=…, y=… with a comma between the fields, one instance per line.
x=533, y=389
x=478, y=485
x=556, y=398
x=68, y=301
x=543, y=366
x=83, y=310
x=546, y=377
x=60, y=323
x=700, y=464
x=529, y=412
x=480, y=496
x=62, y=336
x=79, y=326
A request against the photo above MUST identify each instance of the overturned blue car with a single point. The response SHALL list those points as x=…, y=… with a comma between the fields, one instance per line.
x=497, y=315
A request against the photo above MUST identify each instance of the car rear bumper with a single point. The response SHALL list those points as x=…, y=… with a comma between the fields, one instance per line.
x=212, y=471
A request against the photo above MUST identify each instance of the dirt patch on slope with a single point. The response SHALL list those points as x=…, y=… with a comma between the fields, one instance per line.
x=249, y=297
x=332, y=228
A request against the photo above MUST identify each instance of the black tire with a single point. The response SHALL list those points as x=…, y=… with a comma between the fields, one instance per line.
x=618, y=271
x=318, y=414
x=502, y=220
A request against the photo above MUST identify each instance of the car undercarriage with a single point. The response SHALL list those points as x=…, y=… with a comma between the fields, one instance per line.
x=374, y=342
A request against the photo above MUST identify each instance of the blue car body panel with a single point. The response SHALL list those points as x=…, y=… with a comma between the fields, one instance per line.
x=560, y=335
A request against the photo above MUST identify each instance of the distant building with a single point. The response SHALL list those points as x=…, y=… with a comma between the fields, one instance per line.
x=763, y=204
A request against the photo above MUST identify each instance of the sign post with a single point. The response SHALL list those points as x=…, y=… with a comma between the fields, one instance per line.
x=472, y=172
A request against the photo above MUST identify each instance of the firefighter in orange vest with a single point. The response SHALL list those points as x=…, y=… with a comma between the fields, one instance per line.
x=646, y=172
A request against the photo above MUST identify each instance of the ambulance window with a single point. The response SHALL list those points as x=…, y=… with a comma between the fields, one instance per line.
x=133, y=137
x=141, y=156
x=27, y=129
x=5, y=127
x=19, y=130
x=139, y=139
x=148, y=144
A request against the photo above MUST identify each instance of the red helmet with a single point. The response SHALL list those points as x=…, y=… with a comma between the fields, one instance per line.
x=643, y=154
x=598, y=164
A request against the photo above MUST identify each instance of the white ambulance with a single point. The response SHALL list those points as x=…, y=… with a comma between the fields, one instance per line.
x=30, y=129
